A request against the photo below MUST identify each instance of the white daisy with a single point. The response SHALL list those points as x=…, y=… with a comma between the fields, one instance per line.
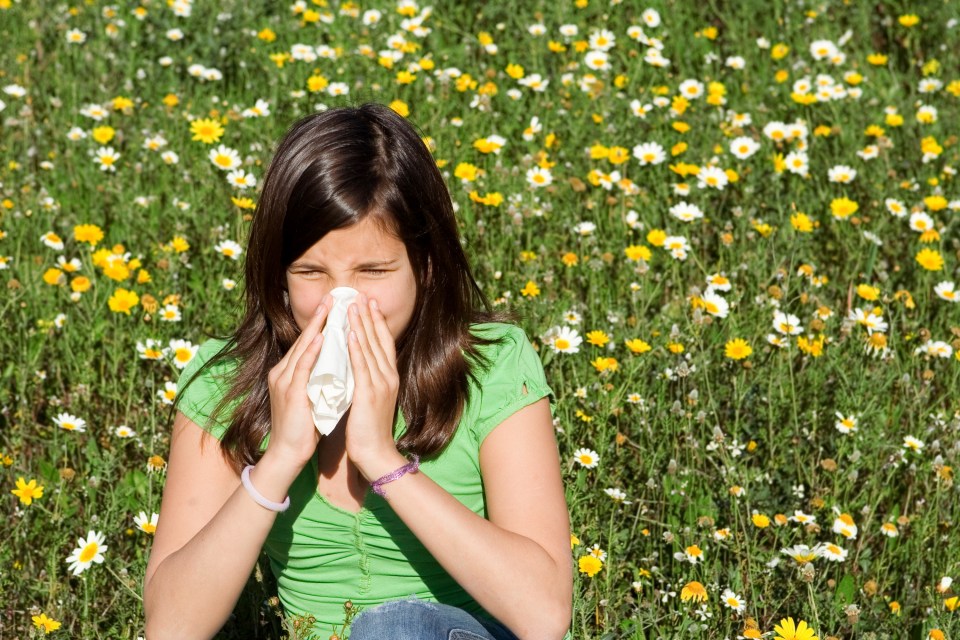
x=69, y=422
x=225, y=158
x=586, y=458
x=182, y=352
x=230, y=249
x=89, y=550
x=649, y=153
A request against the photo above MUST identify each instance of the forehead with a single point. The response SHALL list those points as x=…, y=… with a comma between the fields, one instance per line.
x=368, y=239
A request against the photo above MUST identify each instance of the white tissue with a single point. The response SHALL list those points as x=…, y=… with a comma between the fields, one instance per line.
x=330, y=387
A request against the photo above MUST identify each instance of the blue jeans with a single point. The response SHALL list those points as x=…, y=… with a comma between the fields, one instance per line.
x=415, y=619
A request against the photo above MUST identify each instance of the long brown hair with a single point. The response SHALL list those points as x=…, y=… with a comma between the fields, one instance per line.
x=330, y=171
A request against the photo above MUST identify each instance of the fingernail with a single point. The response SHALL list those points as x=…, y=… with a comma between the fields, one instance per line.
x=353, y=336
x=374, y=305
x=320, y=309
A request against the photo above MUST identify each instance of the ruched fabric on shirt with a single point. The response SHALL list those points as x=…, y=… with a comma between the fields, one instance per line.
x=322, y=555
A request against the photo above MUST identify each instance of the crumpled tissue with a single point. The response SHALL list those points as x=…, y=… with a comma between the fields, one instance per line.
x=330, y=387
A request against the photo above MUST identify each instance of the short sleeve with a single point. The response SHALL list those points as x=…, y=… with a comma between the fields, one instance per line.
x=513, y=380
x=202, y=388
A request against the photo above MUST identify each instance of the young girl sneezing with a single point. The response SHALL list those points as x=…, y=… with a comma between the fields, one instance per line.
x=435, y=504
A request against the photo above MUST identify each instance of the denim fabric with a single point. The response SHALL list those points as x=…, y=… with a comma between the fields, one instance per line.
x=414, y=619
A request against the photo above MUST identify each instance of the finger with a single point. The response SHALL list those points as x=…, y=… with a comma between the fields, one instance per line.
x=301, y=370
x=383, y=333
x=371, y=338
x=363, y=340
x=305, y=340
x=361, y=370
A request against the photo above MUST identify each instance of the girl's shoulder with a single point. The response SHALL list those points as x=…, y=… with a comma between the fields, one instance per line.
x=504, y=350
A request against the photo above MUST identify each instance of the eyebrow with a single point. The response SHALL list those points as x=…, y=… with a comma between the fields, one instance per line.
x=373, y=264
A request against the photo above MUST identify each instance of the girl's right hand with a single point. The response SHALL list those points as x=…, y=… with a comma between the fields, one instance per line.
x=293, y=435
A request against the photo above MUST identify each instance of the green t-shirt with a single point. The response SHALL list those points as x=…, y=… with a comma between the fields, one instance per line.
x=322, y=555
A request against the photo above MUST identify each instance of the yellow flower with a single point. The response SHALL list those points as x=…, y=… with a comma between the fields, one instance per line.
x=656, y=237
x=737, y=349
x=122, y=301
x=80, y=284
x=877, y=59
x=602, y=364
x=936, y=634
x=930, y=259
x=27, y=492
x=598, y=338
x=675, y=347
x=515, y=71
x=243, y=203
x=810, y=346
x=760, y=521
x=935, y=203
x=636, y=253
x=693, y=591
x=530, y=290
x=53, y=276
x=88, y=233
x=47, y=624
x=908, y=20
x=400, y=107
x=569, y=259
x=466, y=171
x=895, y=608
x=103, y=134
x=574, y=541
x=637, y=345
x=590, y=565
x=179, y=244
x=788, y=630
x=405, y=77
x=868, y=292
x=843, y=208
x=779, y=51
x=801, y=222
x=206, y=130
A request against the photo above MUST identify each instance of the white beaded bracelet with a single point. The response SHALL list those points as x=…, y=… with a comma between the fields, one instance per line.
x=257, y=496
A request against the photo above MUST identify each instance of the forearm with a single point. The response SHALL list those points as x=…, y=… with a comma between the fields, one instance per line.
x=510, y=575
x=193, y=591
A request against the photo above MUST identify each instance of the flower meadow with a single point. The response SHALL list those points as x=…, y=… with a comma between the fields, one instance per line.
x=730, y=230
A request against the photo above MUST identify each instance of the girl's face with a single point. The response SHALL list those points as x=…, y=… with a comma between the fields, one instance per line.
x=364, y=257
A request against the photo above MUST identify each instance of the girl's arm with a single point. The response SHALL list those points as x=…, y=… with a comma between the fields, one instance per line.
x=210, y=529
x=517, y=564
x=208, y=536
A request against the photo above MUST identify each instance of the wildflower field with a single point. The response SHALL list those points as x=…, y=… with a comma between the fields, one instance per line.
x=730, y=229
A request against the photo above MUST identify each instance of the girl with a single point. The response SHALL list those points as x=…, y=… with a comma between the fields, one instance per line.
x=436, y=505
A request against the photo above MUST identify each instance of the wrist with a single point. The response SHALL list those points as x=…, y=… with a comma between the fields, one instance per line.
x=374, y=465
x=273, y=475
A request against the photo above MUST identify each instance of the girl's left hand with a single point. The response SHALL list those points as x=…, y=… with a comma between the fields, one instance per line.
x=369, y=436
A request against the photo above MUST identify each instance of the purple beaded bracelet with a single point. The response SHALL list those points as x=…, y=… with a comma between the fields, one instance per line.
x=411, y=467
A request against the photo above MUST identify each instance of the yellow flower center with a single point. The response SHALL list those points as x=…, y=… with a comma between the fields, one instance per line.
x=562, y=343
x=89, y=552
x=183, y=355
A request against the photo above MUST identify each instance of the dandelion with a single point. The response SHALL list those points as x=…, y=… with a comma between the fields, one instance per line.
x=737, y=349
x=207, y=131
x=693, y=591
x=586, y=458
x=123, y=300
x=788, y=630
x=930, y=259
x=590, y=565
x=47, y=625
x=89, y=550
x=597, y=338
x=27, y=491
x=147, y=524
x=69, y=422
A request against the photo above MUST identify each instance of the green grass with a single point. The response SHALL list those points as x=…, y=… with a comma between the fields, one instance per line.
x=706, y=423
